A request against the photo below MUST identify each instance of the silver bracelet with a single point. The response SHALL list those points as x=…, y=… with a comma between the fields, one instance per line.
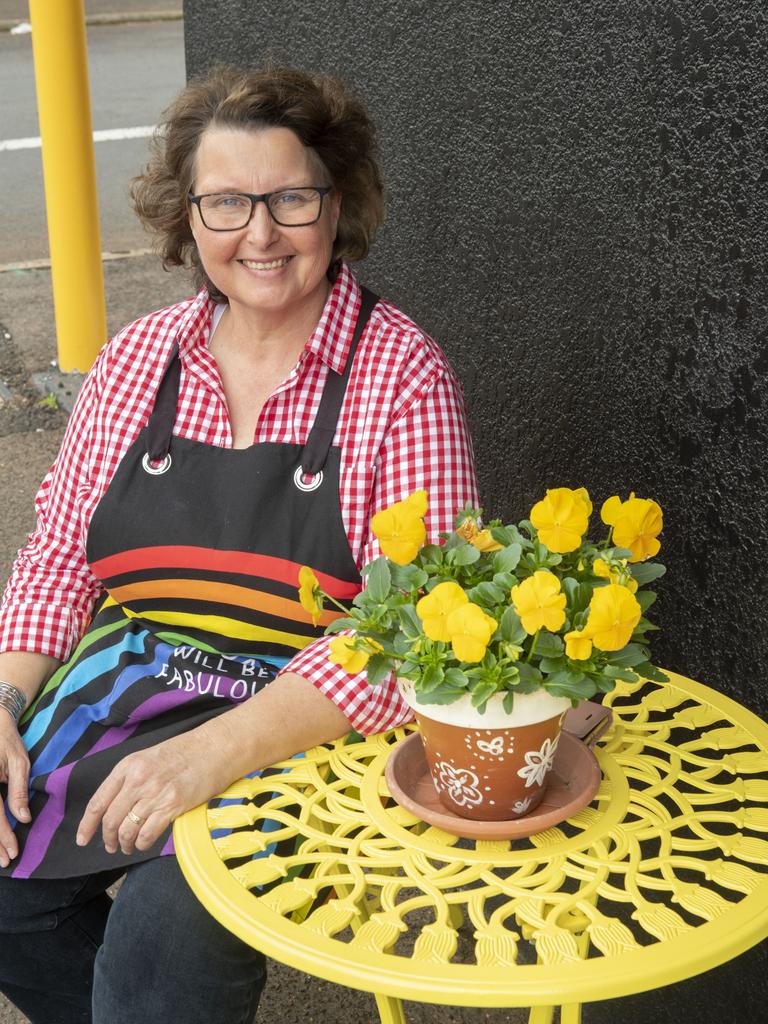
x=12, y=699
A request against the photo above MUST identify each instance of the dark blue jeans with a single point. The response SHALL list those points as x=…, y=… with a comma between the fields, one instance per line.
x=68, y=955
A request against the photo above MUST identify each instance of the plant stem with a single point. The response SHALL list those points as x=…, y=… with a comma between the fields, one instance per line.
x=533, y=644
x=334, y=601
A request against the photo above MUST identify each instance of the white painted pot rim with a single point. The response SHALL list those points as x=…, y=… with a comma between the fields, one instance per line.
x=528, y=708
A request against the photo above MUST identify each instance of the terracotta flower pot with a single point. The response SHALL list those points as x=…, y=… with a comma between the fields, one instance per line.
x=490, y=767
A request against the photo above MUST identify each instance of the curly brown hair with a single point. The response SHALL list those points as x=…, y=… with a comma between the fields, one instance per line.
x=321, y=111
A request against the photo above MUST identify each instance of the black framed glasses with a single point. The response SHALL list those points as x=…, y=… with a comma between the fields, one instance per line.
x=289, y=207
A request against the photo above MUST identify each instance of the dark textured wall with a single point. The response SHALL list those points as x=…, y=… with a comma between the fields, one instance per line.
x=577, y=211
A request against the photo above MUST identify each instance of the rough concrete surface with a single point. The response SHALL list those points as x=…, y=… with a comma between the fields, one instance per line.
x=578, y=213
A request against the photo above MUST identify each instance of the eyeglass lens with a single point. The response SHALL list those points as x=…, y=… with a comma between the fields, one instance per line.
x=291, y=207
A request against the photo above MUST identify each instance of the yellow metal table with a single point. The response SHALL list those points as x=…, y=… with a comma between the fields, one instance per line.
x=663, y=876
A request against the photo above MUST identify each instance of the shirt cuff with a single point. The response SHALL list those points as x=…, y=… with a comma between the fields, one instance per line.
x=369, y=709
x=42, y=629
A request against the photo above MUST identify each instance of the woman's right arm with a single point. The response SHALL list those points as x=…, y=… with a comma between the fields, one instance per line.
x=48, y=599
x=28, y=671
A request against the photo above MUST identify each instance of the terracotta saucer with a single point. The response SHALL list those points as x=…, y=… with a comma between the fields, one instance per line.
x=573, y=781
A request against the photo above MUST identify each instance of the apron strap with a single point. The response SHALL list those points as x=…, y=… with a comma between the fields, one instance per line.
x=160, y=425
x=324, y=428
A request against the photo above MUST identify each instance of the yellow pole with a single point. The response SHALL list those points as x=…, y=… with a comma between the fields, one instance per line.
x=69, y=172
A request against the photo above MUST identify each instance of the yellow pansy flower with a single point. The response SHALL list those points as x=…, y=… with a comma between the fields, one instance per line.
x=578, y=645
x=418, y=502
x=603, y=570
x=400, y=528
x=342, y=652
x=434, y=609
x=309, y=596
x=611, y=509
x=583, y=493
x=540, y=602
x=637, y=526
x=468, y=530
x=561, y=519
x=483, y=541
x=470, y=630
x=613, y=614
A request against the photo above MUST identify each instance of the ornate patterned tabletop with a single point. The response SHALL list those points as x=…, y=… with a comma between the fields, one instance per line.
x=663, y=876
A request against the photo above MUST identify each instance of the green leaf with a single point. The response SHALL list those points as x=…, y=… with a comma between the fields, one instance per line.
x=617, y=553
x=410, y=621
x=570, y=588
x=506, y=560
x=509, y=701
x=511, y=628
x=629, y=656
x=410, y=669
x=407, y=577
x=648, y=671
x=402, y=643
x=550, y=665
x=443, y=695
x=565, y=676
x=603, y=684
x=378, y=669
x=503, y=535
x=583, y=597
x=505, y=580
x=433, y=553
x=529, y=674
x=617, y=672
x=465, y=554
x=645, y=598
x=646, y=572
x=339, y=624
x=379, y=580
x=577, y=689
x=432, y=678
x=456, y=679
x=486, y=594
x=481, y=694
x=549, y=645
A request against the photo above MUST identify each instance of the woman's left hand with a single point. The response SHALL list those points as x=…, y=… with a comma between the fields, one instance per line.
x=154, y=785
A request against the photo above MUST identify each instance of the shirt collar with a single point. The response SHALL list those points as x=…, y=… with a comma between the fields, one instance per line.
x=194, y=324
x=332, y=337
x=329, y=341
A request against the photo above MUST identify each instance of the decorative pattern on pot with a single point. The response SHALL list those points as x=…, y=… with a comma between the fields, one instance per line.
x=493, y=773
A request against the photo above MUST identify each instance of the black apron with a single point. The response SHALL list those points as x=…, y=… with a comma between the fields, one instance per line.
x=199, y=549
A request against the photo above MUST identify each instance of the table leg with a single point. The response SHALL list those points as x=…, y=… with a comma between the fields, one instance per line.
x=390, y=1010
x=541, y=1015
x=570, y=1014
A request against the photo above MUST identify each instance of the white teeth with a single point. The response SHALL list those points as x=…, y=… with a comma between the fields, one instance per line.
x=273, y=265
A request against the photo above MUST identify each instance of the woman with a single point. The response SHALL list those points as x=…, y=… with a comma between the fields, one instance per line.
x=216, y=446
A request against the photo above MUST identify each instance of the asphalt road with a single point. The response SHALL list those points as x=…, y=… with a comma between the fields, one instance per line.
x=135, y=70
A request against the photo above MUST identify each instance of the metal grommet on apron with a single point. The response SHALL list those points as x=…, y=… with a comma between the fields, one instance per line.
x=307, y=483
x=162, y=467
x=200, y=567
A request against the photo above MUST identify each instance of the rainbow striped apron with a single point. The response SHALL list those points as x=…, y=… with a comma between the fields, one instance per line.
x=199, y=550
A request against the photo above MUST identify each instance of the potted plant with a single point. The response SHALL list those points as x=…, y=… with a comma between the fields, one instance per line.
x=498, y=630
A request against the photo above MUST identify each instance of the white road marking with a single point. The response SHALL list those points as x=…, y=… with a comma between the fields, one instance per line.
x=45, y=263
x=105, y=135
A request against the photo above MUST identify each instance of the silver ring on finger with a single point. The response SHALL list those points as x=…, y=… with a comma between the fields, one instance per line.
x=134, y=818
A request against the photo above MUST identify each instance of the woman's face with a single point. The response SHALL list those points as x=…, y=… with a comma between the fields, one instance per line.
x=265, y=267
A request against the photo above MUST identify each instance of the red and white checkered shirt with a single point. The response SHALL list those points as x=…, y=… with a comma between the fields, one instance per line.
x=402, y=428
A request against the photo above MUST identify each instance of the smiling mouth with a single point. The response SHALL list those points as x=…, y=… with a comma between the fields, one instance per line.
x=266, y=265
